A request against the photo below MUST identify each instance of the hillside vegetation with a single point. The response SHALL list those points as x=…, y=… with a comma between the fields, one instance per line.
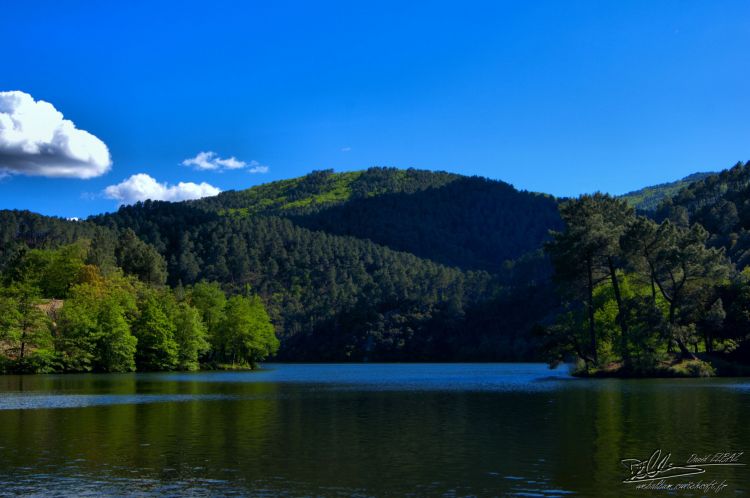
x=323, y=188
x=60, y=312
x=666, y=295
x=467, y=222
x=721, y=204
x=399, y=278
x=411, y=265
x=649, y=198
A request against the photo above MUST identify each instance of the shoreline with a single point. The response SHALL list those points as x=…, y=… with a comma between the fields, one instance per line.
x=705, y=367
x=684, y=368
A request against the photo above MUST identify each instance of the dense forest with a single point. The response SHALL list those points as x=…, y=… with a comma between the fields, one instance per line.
x=62, y=310
x=467, y=222
x=332, y=295
x=438, y=216
x=391, y=265
x=666, y=295
x=721, y=204
x=390, y=282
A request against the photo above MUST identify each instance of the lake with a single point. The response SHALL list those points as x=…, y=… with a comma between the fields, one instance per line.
x=362, y=430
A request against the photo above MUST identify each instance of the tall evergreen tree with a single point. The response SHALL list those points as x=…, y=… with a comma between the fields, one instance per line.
x=190, y=334
x=588, y=251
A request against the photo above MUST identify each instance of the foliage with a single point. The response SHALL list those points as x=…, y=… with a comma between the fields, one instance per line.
x=392, y=265
x=648, y=199
x=210, y=301
x=94, y=327
x=112, y=322
x=246, y=333
x=116, y=347
x=157, y=347
x=24, y=327
x=721, y=204
x=190, y=335
x=411, y=246
x=52, y=250
x=321, y=189
x=136, y=257
x=447, y=224
x=648, y=289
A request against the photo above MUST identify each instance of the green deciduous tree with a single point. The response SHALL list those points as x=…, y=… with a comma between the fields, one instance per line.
x=116, y=346
x=246, y=332
x=157, y=347
x=24, y=326
x=210, y=301
x=94, y=330
x=190, y=334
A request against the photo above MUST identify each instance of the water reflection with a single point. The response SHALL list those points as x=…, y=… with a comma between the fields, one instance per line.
x=359, y=429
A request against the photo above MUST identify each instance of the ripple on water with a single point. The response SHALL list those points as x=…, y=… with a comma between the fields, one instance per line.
x=27, y=401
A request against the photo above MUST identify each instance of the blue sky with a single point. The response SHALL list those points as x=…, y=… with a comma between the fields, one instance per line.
x=563, y=97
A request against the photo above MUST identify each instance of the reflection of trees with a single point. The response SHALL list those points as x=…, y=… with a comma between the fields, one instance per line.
x=307, y=438
x=147, y=436
x=617, y=419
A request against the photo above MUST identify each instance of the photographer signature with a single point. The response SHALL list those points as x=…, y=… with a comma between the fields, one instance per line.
x=658, y=466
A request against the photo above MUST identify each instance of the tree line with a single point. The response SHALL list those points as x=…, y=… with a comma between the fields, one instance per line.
x=641, y=296
x=330, y=298
x=61, y=311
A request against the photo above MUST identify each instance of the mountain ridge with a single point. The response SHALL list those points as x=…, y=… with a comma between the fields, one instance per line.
x=379, y=264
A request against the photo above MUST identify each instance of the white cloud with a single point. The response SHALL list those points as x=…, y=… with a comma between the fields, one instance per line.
x=346, y=149
x=256, y=167
x=36, y=140
x=141, y=187
x=210, y=161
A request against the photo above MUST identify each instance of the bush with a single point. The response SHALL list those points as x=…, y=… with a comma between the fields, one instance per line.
x=692, y=368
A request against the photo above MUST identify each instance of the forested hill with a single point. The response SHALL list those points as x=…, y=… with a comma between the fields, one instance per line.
x=380, y=264
x=721, y=204
x=665, y=292
x=468, y=222
x=324, y=188
x=649, y=198
x=23, y=231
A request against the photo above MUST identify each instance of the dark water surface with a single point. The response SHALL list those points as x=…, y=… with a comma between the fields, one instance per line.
x=362, y=430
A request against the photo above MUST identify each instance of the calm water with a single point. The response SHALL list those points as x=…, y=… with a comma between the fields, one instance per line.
x=363, y=430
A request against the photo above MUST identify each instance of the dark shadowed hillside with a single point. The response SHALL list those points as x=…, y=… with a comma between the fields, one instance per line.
x=468, y=222
x=471, y=223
